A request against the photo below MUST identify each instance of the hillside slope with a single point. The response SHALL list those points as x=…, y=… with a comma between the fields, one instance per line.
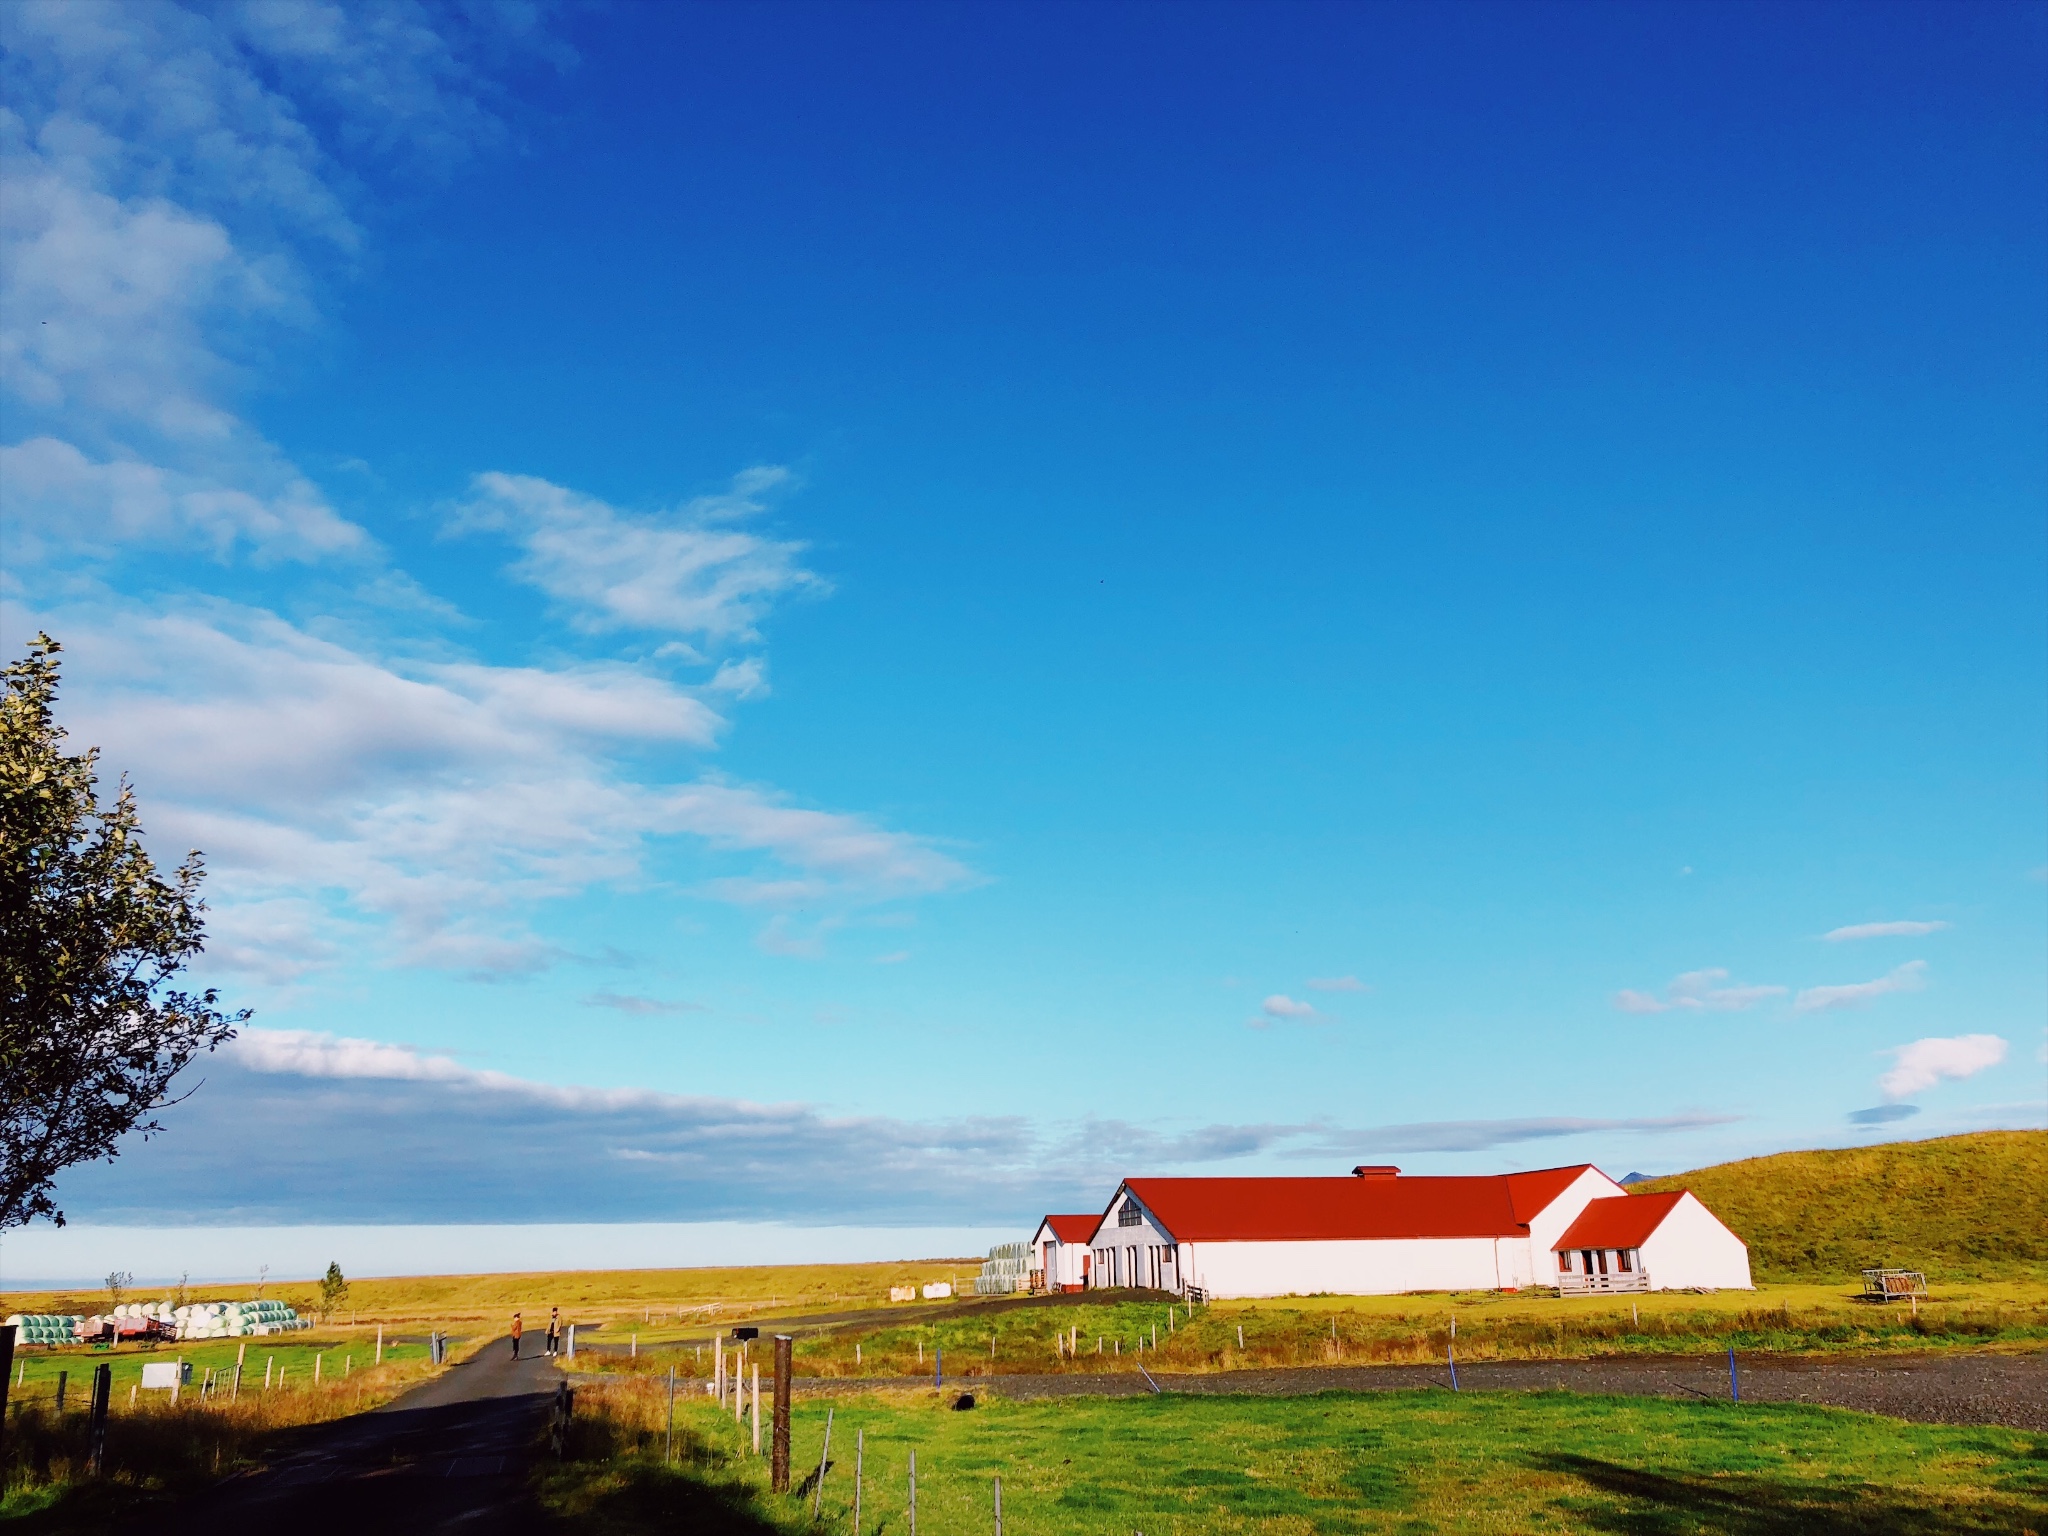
x=1957, y=1207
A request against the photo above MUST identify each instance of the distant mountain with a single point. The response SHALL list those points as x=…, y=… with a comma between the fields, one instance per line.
x=1636, y=1178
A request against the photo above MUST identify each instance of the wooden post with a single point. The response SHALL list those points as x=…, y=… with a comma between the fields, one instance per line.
x=718, y=1370
x=778, y=1444
x=757, y=1408
x=6, y=1374
x=999, y=1495
x=63, y=1377
x=1240, y=1335
x=96, y=1421
x=380, y=1344
x=913, y=1493
x=316, y=1369
x=824, y=1461
x=860, y=1437
x=669, y=1453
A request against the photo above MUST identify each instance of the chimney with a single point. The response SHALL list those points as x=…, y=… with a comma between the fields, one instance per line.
x=1375, y=1170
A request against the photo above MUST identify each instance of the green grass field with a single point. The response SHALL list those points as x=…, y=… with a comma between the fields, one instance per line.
x=1957, y=1207
x=1409, y=1463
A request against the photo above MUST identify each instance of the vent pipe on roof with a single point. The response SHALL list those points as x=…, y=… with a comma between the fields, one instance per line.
x=1375, y=1170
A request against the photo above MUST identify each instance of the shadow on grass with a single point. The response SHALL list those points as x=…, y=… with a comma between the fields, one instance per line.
x=630, y=1497
x=1737, y=1504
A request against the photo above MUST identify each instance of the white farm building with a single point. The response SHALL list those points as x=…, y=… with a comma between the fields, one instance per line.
x=1380, y=1233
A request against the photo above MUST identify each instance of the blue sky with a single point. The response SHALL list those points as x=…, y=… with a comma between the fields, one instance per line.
x=881, y=615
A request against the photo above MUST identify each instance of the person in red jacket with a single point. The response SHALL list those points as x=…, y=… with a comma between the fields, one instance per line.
x=517, y=1329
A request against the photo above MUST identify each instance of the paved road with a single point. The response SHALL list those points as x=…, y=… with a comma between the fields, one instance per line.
x=451, y=1454
x=1946, y=1388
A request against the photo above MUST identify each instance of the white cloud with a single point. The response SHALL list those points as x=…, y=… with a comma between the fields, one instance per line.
x=1910, y=977
x=1281, y=1006
x=688, y=571
x=170, y=214
x=1899, y=930
x=1337, y=984
x=1926, y=1062
x=1696, y=991
x=439, y=799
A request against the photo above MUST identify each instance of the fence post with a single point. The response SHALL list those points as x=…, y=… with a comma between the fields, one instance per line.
x=778, y=1443
x=96, y=1422
x=757, y=1407
x=999, y=1504
x=824, y=1461
x=63, y=1379
x=1734, y=1386
x=6, y=1375
x=860, y=1437
x=669, y=1452
x=913, y=1493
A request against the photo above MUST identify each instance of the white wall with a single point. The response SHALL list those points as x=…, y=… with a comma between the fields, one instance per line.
x=1145, y=1236
x=1365, y=1268
x=1692, y=1247
x=1061, y=1261
x=1548, y=1225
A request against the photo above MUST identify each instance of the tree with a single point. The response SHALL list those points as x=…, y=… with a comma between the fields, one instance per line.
x=117, y=1287
x=333, y=1290
x=92, y=1031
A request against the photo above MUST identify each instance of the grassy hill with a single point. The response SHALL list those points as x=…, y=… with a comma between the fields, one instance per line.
x=1957, y=1207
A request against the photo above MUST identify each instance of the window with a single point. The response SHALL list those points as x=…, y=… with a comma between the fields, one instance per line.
x=1128, y=1214
x=1601, y=1254
x=1621, y=1260
x=1587, y=1255
x=1564, y=1261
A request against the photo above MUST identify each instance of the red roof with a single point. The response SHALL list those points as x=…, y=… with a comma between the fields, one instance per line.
x=1073, y=1229
x=1618, y=1221
x=1272, y=1210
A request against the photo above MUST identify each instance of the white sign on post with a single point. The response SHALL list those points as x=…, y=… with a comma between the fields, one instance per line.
x=160, y=1377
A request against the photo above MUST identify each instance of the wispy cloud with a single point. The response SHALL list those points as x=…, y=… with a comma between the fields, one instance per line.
x=1696, y=991
x=435, y=801
x=1336, y=984
x=1479, y=1135
x=169, y=202
x=626, y=1002
x=1898, y=930
x=1280, y=1007
x=690, y=571
x=1926, y=1062
x=1910, y=977
x=1883, y=1114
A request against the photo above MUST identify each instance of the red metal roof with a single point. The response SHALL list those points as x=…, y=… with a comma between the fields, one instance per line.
x=1073, y=1229
x=1277, y=1210
x=1618, y=1221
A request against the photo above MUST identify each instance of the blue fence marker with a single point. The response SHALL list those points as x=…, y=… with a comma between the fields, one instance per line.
x=1451, y=1354
x=938, y=1367
x=1734, y=1386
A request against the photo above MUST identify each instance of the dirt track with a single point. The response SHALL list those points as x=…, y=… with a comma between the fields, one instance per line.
x=2008, y=1389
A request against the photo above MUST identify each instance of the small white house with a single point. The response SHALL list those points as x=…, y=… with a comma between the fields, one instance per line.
x=1375, y=1233
x=1650, y=1243
x=1061, y=1245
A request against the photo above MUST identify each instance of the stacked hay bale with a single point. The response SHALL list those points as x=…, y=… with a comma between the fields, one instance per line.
x=1008, y=1270
x=45, y=1327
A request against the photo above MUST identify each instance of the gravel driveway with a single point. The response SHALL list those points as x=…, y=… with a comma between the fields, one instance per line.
x=1949, y=1388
